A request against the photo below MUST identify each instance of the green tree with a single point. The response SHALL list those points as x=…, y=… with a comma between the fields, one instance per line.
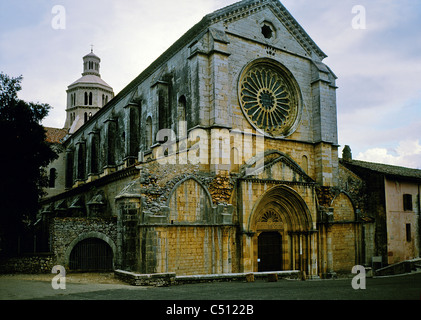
x=24, y=154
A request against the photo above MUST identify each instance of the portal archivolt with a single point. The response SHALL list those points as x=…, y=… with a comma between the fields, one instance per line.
x=281, y=215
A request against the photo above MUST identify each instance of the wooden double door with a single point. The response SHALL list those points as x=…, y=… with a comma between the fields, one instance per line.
x=269, y=251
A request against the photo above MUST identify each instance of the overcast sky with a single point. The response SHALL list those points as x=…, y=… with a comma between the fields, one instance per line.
x=378, y=67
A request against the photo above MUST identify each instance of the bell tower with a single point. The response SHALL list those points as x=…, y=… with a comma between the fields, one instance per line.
x=86, y=95
x=91, y=64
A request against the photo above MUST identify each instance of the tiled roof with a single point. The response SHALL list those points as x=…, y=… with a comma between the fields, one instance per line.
x=54, y=135
x=384, y=168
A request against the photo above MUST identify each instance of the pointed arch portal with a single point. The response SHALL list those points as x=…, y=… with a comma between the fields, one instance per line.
x=282, y=232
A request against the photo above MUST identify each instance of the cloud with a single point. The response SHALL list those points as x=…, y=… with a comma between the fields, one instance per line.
x=406, y=154
x=127, y=36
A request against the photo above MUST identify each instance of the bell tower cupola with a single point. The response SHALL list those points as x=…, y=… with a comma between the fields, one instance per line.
x=91, y=64
x=86, y=95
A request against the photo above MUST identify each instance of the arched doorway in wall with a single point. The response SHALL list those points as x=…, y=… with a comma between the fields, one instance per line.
x=91, y=254
x=282, y=235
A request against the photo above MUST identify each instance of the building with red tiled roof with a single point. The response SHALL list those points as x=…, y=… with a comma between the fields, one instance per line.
x=55, y=135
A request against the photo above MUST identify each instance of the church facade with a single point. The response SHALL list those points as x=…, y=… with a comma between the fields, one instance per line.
x=220, y=157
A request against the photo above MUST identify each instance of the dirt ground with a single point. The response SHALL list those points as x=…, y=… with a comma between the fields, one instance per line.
x=99, y=278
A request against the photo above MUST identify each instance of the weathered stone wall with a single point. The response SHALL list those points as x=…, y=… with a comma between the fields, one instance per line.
x=355, y=187
x=190, y=202
x=93, y=199
x=67, y=232
x=343, y=210
x=182, y=227
x=344, y=234
x=344, y=247
x=189, y=249
x=29, y=263
x=247, y=43
x=372, y=201
x=59, y=165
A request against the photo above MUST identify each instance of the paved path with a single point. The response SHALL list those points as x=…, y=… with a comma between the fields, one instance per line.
x=406, y=287
x=252, y=300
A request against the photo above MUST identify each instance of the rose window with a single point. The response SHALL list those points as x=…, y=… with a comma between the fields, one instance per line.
x=268, y=99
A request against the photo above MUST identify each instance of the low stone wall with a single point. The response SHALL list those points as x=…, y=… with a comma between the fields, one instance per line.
x=398, y=268
x=153, y=279
x=167, y=279
x=67, y=231
x=247, y=277
x=31, y=263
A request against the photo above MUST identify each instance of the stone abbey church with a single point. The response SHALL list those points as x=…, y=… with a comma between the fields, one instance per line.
x=221, y=157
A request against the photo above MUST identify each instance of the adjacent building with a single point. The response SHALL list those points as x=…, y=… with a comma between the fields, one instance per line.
x=393, y=203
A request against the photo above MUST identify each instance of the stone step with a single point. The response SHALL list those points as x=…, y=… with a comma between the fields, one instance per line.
x=407, y=266
x=167, y=279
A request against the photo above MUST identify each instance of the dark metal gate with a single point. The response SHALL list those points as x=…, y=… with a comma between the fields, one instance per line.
x=91, y=254
x=269, y=251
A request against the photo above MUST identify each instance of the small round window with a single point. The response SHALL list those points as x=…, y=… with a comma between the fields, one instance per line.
x=267, y=31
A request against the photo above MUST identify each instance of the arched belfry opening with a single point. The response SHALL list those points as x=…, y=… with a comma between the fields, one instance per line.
x=282, y=232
